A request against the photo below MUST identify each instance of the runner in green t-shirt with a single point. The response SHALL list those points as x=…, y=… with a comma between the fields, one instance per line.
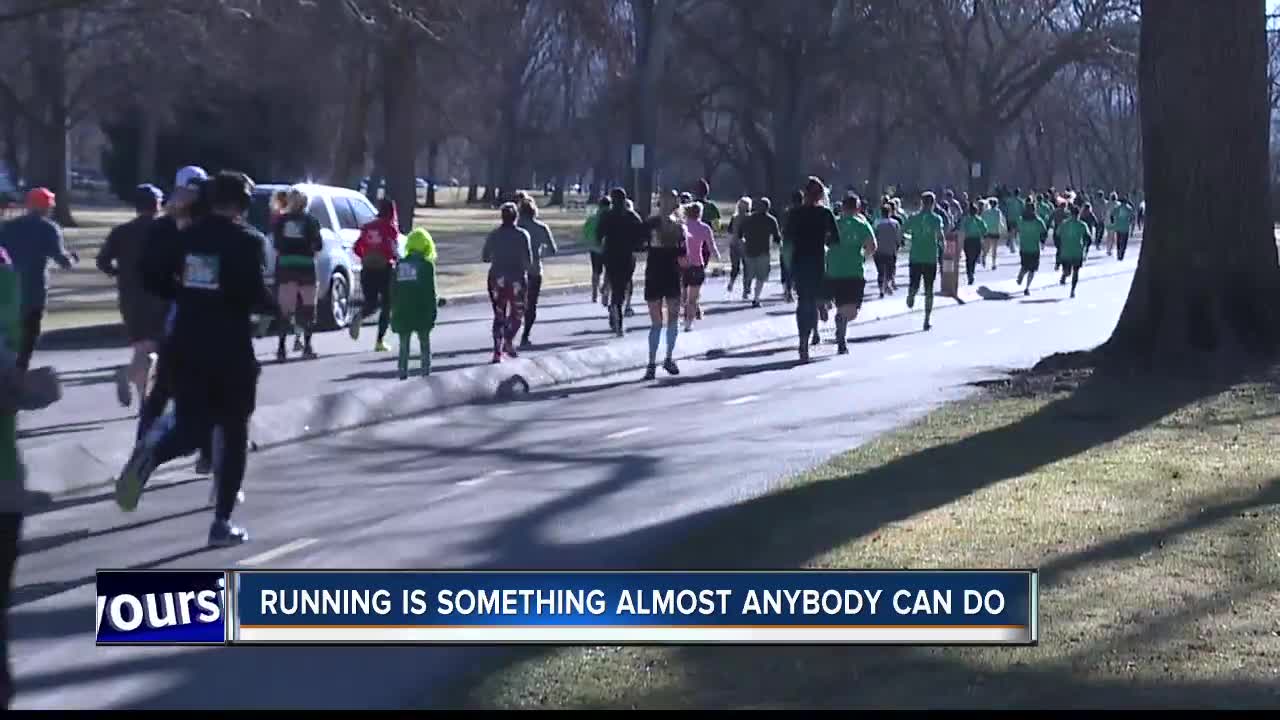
x=925, y=230
x=972, y=229
x=596, y=251
x=1122, y=224
x=846, y=276
x=1031, y=234
x=994, y=220
x=1013, y=214
x=1073, y=235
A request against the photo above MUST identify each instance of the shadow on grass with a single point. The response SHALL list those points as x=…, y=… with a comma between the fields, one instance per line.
x=816, y=517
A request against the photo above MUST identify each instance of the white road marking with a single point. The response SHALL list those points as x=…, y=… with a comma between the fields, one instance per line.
x=831, y=375
x=899, y=356
x=743, y=400
x=1031, y=321
x=281, y=551
x=951, y=343
x=1064, y=313
x=627, y=433
x=993, y=331
x=484, y=478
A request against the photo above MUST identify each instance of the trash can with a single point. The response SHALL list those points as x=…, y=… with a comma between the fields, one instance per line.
x=951, y=264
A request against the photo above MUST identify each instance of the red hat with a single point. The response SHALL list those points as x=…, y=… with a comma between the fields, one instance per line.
x=40, y=199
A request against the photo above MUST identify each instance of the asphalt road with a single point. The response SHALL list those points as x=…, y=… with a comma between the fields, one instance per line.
x=597, y=474
x=461, y=339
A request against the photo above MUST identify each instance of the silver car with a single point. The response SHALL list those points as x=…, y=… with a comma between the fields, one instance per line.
x=341, y=213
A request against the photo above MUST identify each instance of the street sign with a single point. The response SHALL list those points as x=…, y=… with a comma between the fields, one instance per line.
x=637, y=157
x=975, y=171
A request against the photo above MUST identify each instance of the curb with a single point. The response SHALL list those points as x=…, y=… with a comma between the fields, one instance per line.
x=69, y=469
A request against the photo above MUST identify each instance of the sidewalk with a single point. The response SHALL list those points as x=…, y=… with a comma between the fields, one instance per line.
x=81, y=442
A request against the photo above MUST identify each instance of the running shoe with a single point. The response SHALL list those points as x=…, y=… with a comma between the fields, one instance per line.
x=223, y=534
x=124, y=393
x=497, y=358
x=525, y=344
x=204, y=464
x=697, y=313
x=630, y=312
x=651, y=373
x=380, y=346
x=134, y=477
x=510, y=350
x=671, y=367
x=281, y=356
x=308, y=354
x=754, y=303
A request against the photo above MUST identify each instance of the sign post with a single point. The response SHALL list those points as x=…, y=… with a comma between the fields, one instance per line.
x=637, y=164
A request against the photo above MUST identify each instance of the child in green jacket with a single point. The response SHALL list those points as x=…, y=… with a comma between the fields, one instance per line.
x=413, y=298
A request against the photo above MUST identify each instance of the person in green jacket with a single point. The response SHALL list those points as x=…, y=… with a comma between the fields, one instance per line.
x=925, y=230
x=846, y=276
x=1013, y=215
x=20, y=389
x=972, y=229
x=1073, y=237
x=1122, y=225
x=596, y=251
x=413, y=299
x=1031, y=235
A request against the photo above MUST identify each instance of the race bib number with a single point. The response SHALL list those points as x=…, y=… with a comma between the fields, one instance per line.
x=201, y=272
x=407, y=273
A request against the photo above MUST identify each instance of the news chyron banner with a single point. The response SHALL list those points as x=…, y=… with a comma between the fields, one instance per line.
x=819, y=607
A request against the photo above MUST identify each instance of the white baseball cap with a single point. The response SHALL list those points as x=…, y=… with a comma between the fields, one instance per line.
x=190, y=177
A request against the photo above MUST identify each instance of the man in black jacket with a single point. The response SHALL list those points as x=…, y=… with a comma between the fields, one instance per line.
x=621, y=234
x=214, y=276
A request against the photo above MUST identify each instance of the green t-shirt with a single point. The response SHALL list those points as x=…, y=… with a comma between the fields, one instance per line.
x=1122, y=218
x=710, y=213
x=1044, y=211
x=992, y=218
x=1013, y=209
x=1071, y=237
x=925, y=229
x=10, y=329
x=845, y=258
x=972, y=226
x=1030, y=235
x=589, y=234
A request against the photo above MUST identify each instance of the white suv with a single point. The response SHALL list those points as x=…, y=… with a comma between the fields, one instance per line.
x=341, y=213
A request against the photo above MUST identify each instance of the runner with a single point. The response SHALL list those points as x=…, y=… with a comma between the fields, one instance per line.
x=32, y=241
x=1056, y=219
x=413, y=299
x=668, y=243
x=214, y=275
x=1073, y=237
x=620, y=232
x=1095, y=226
x=631, y=286
x=1013, y=215
x=1122, y=223
x=846, y=275
x=759, y=231
x=996, y=228
x=973, y=229
x=888, y=242
x=710, y=212
x=297, y=240
x=1031, y=233
x=1141, y=216
x=379, y=250
x=811, y=229
x=143, y=314
x=740, y=214
x=509, y=256
x=1108, y=217
x=541, y=240
x=596, y=251
x=953, y=209
x=700, y=241
x=925, y=229
x=785, y=251
x=19, y=390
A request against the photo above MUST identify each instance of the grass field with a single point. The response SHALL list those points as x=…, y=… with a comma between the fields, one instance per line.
x=83, y=296
x=1153, y=512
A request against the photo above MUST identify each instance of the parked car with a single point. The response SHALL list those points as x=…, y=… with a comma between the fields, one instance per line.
x=89, y=180
x=341, y=213
x=420, y=191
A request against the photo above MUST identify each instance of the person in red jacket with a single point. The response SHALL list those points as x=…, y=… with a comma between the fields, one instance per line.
x=378, y=249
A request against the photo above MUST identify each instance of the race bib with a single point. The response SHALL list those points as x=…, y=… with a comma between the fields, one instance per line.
x=294, y=229
x=201, y=272
x=407, y=272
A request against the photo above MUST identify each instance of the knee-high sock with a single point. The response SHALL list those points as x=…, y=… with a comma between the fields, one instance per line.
x=424, y=342
x=673, y=331
x=655, y=337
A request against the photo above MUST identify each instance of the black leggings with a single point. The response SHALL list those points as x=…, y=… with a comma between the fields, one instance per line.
x=375, y=285
x=619, y=271
x=153, y=406
x=32, y=320
x=10, y=532
x=972, y=251
x=1122, y=242
x=886, y=269
x=531, y=304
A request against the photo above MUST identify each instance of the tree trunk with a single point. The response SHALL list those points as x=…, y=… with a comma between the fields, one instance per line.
x=400, y=89
x=348, y=164
x=983, y=155
x=433, y=158
x=49, y=166
x=148, y=140
x=1207, y=289
x=653, y=20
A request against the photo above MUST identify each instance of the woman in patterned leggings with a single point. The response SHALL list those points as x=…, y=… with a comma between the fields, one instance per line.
x=508, y=253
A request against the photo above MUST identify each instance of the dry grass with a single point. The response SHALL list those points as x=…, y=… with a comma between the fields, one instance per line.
x=1153, y=513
